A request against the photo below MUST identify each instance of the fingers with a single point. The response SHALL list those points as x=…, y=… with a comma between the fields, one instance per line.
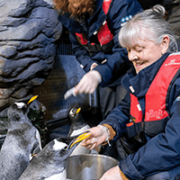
x=88, y=142
x=88, y=83
x=92, y=141
x=96, y=138
x=84, y=86
x=89, y=145
x=92, y=146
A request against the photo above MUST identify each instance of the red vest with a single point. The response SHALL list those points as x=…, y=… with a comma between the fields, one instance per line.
x=156, y=100
x=103, y=34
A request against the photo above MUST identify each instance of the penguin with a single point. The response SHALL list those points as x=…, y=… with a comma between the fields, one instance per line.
x=50, y=163
x=78, y=126
x=20, y=144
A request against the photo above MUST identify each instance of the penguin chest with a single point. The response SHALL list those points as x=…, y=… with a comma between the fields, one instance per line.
x=60, y=176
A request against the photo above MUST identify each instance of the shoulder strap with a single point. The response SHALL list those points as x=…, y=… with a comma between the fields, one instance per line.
x=106, y=6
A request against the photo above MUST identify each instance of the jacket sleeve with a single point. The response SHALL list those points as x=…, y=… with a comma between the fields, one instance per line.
x=117, y=63
x=162, y=152
x=82, y=55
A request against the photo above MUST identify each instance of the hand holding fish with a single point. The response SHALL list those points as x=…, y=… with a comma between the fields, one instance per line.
x=97, y=137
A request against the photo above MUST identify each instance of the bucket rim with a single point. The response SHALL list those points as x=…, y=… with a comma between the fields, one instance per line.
x=93, y=155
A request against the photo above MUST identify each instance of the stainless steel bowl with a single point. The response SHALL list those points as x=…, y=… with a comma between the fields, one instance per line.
x=88, y=166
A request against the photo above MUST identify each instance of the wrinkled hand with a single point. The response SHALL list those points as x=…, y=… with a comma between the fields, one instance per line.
x=112, y=174
x=88, y=83
x=98, y=136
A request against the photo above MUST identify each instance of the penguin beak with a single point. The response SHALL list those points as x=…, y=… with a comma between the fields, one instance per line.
x=80, y=138
x=32, y=99
x=78, y=110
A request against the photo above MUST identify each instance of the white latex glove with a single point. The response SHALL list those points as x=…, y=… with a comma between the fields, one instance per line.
x=88, y=83
x=112, y=174
x=97, y=137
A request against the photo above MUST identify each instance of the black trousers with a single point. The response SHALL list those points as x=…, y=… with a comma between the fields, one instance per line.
x=109, y=98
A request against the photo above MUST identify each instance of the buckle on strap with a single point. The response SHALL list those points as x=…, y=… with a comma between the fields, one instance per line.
x=134, y=128
x=94, y=48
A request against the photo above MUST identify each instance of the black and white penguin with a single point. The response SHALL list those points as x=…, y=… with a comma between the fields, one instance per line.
x=78, y=126
x=50, y=163
x=20, y=144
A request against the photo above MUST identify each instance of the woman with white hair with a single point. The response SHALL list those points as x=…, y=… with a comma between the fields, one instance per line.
x=148, y=119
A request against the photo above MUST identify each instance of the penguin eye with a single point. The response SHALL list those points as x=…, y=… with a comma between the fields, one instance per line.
x=63, y=151
x=66, y=147
x=24, y=109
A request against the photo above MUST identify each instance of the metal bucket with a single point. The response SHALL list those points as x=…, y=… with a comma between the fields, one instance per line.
x=88, y=166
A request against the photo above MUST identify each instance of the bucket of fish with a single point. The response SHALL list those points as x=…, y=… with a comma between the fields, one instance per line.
x=88, y=166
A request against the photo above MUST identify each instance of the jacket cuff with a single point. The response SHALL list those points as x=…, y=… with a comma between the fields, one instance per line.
x=106, y=73
x=127, y=167
x=111, y=131
x=123, y=176
x=87, y=65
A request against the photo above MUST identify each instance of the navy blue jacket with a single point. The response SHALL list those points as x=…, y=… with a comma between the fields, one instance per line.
x=117, y=63
x=162, y=152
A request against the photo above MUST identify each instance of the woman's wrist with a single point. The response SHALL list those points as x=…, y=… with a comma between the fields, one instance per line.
x=106, y=130
x=111, y=131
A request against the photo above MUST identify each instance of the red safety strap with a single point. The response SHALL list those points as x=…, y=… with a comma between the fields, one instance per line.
x=135, y=109
x=104, y=34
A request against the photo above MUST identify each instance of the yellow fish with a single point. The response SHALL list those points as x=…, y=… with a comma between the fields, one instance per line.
x=81, y=138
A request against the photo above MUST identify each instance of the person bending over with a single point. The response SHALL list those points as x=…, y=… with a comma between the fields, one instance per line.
x=93, y=26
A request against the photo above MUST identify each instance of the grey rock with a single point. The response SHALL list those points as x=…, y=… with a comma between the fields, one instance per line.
x=29, y=30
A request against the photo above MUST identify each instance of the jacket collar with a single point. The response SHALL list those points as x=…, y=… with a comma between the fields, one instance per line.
x=97, y=18
x=97, y=9
x=138, y=84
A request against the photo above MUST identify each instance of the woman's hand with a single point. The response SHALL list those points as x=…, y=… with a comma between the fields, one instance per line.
x=98, y=136
x=88, y=83
x=112, y=174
